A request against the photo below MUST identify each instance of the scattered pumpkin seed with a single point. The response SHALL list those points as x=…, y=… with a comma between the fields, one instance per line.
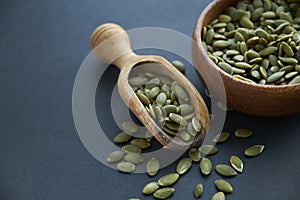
x=195, y=155
x=150, y=188
x=225, y=170
x=198, y=190
x=140, y=142
x=236, y=163
x=179, y=65
x=130, y=127
x=115, y=156
x=218, y=196
x=122, y=137
x=134, y=158
x=184, y=165
x=223, y=186
x=243, y=133
x=131, y=149
x=126, y=167
x=168, y=179
x=221, y=137
x=163, y=193
x=152, y=167
x=205, y=166
x=208, y=149
x=254, y=150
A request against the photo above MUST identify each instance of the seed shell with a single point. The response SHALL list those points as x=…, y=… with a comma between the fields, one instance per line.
x=168, y=179
x=225, y=170
x=254, y=150
x=198, y=191
x=205, y=166
x=223, y=186
x=163, y=193
x=236, y=163
x=150, y=188
x=183, y=165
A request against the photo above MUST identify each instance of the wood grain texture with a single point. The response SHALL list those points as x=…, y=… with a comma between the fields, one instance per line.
x=117, y=45
x=252, y=99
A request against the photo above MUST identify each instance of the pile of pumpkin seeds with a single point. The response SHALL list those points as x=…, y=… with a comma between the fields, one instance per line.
x=257, y=41
x=167, y=103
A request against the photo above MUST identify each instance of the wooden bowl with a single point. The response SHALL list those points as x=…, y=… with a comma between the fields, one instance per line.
x=249, y=98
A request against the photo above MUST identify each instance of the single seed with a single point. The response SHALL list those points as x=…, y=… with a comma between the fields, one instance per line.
x=196, y=124
x=243, y=65
x=221, y=44
x=223, y=186
x=163, y=193
x=208, y=149
x=205, y=166
x=178, y=119
x=185, y=136
x=243, y=133
x=126, y=167
x=237, y=163
x=246, y=23
x=185, y=109
x=275, y=77
x=143, y=98
x=161, y=99
x=134, y=158
x=131, y=149
x=225, y=170
x=184, y=165
x=122, y=137
x=137, y=81
x=225, y=67
x=295, y=80
x=218, y=196
x=150, y=188
x=221, y=137
x=268, y=51
x=181, y=93
x=171, y=109
x=154, y=92
x=115, y=156
x=195, y=154
x=179, y=65
x=140, y=142
x=152, y=167
x=168, y=179
x=292, y=61
x=198, y=190
x=254, y=150
x=130, y=127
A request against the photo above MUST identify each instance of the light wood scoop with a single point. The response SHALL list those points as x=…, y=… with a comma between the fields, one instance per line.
x=111, y=44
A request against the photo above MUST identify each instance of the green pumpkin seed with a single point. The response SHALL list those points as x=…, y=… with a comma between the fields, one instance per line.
x=154, y=92
x=198, y=191
x=183, y=165
x=163, y=193
x=152, y=167
x=208, y=149
x=238, y=58
x=169, y=131
x=205, y=166
x=137, y=81
x=130, y=127
x=225, y=170
x=196, y=124
x=225, y=67
x=185, y=136
x=295, y=80
x=179, y=65
x=275, y=77
x=221, y=44
x=243, y=65
x=291, y=61
x=237, y=163
x=166, y=89
x=122, y=137
x=181, y=93
x=172, y=126
x=268, y=51
x=134, y=158
x=143, y=98
x=254, y=150
x=178, y=119
x=195, y=155
x=168, y=179
x=221, y=137
x=134, y=199
x=257, y=13
x=161, y=99
x=171, y=109
x=150, y=188
x=185, y=109
x=243, y=133
x=246, y=23
x=140, y=142
x=218, y=196
x=291, y=75
x=131, y=149
x=210, y=36
x=126, y=167
x=115, y=156
x=189, y=116
x=223, y=186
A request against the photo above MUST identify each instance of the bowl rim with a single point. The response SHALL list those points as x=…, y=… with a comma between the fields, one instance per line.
x=197, y=35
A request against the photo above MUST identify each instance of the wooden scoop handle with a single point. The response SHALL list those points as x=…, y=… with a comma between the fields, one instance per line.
x=111, y=44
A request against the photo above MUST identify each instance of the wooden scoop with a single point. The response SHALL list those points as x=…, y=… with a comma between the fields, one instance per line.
x=111, y=44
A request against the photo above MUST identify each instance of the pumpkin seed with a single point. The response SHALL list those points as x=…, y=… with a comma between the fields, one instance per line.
x=237, y=163
x=196, y=124
x=254, y=150
x=223, y=186
x=221, y=44
x=208, y=149
x=185, y=136
x=154, y=92
x=152, y=167
x=115, y=156
x=221, y=137
x=150, y=188
x=295, y=80
x=243, y=133
x=140, y=142
x=143, y=98
x=122, y=137
x=185, y=109
x=163, y=193
x=243, y=65
x=275, y=77
x=198, y=190
x=195, y=155
x=134, y=158
x=179, y=65
x=205, y=166
x=126, y=167
x=181, y=93
x=134, y=199
x=218, y=196
x=178, y=119
x=184, y=165
x=168, y=179
x=291, y=61
x=268, y=51
x=225, y=170
x=130, y=127
x=225, y=67
x=131, y=149
x=161, y=99
x=137, y=81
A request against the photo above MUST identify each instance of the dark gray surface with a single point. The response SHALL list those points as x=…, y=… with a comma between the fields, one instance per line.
x=42, y=46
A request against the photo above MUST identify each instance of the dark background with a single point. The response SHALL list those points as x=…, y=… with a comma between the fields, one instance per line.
x=42, y=46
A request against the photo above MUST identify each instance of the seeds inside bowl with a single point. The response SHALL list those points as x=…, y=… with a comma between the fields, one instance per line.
x=257, y=41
